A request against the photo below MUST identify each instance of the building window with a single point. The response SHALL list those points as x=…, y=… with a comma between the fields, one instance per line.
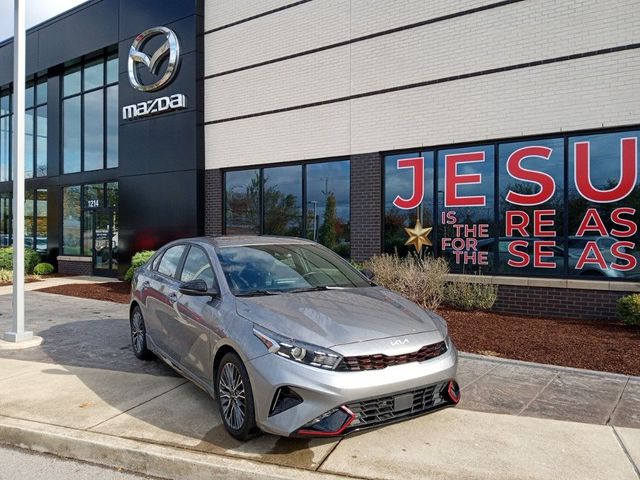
x=5, y=134
x=531, y=207
x=282, y=200
x=79, y=204
x=465, y=202
x=35, y=147
x=403, y=206
x=35, y=161
x=5, y=219
x=35, y=219
x=564, y=206
x=242, y=202
x=604, y=205
x=311, y=200
x=90, y=114
x=328, y=190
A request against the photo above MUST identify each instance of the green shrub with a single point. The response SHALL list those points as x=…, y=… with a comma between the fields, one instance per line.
x=471, y=296
x=31, y=259
x=6, y=276
x=421, y=280
x=629, y=309
x=138, y=260
x=43, y=269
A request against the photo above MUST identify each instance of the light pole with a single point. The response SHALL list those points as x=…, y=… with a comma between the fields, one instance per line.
x=18, y=337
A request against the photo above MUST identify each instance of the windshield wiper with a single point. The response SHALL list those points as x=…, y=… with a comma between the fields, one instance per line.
x=308, y=289
x=255, y=293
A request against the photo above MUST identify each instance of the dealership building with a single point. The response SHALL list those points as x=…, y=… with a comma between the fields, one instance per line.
x=506, y=133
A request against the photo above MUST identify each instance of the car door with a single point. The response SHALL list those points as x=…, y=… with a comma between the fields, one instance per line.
x=164, y=310
x=199, y=316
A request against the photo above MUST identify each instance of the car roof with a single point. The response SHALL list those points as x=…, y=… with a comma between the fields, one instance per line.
x=243, y=240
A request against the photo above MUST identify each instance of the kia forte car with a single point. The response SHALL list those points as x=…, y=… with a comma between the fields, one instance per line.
x=289, y=338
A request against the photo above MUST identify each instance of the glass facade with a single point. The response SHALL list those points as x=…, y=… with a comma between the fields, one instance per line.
x=90, y=218
x=5, y=134
x=35, y=219
x=90, y=115
x=311, y=200
x=565, y=206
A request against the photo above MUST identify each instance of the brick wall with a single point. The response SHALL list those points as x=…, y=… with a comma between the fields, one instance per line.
x=213, y=213
x=366, y=192
x=67, y=267
x=558, y=302
x=325, y=84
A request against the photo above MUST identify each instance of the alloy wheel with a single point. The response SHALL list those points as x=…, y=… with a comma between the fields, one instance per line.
x=137, y=331
x=232, y=396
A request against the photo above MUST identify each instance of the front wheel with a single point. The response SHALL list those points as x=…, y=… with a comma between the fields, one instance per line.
x=235, y=398
x=139, y=335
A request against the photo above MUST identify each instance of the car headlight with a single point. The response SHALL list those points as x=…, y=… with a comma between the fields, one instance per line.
x=296, y=350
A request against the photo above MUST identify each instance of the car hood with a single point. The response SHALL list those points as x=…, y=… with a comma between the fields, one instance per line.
x=337, y=317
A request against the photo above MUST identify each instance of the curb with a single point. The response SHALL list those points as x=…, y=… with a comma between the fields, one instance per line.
x=546, y=366
x=141, y=457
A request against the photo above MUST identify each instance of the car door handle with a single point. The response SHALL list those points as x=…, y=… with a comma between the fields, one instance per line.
x=173, y=298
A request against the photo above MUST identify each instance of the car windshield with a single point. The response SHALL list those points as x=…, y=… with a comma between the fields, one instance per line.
x=280, y=268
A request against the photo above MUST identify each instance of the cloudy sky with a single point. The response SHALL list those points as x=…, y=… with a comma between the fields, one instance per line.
x=37, y=11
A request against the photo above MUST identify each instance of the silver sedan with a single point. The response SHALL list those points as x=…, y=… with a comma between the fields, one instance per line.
x=289, y=337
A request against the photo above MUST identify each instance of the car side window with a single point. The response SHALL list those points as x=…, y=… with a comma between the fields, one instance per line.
x=170, y=260
x=197, y=266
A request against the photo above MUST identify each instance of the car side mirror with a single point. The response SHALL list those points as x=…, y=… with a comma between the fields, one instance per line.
x=368, y=273
x=198, y=288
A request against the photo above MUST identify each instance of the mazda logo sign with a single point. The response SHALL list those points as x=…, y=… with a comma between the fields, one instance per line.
x=152, y=61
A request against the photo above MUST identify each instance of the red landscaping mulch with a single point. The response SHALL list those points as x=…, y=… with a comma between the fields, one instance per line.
x=118, y=292
x=606, y=346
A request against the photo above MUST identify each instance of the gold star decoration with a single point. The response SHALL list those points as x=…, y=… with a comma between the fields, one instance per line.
x=418, y=236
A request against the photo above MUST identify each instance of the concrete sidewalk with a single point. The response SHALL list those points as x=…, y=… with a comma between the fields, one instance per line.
x=83, y=395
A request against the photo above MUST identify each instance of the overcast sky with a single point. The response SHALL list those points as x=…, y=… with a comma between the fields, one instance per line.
x=37, y=12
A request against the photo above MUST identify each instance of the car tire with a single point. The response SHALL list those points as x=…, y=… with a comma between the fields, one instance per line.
x=235, y=398
x=139, y=335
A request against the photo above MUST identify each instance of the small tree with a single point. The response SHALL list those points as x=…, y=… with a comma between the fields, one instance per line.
x=327, y=235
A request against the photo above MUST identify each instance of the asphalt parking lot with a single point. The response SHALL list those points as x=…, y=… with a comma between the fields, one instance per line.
x=84, y=379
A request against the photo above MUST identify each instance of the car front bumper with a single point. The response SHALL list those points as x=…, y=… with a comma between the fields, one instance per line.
x=363, y=399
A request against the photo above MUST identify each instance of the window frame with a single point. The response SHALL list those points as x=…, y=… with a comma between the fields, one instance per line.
x=303, y=199
x=105, y=56
x=193, y=246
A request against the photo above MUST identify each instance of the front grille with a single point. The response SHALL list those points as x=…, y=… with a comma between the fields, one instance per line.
x=380, y=361
x=376, y=411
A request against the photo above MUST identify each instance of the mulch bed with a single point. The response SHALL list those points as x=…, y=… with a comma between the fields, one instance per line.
x=118, y=292
x=606, y=346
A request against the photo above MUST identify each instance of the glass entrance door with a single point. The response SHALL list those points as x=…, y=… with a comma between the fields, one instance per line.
x=105, y=242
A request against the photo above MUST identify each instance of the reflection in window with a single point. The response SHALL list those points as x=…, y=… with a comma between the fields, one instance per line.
x=88, y=106
x=71, y=221
x=242, y=201
x=5, y=219
x=465, y=197
x=170, y=259
x=278, y=193
x=93, y=131
x=79, y=206
x=282, y=197
x=5, y=135
x=542, y=193
x=71, y=134
x=398, y=183
x=327, y=205
x=604, y=206
x=41, y=211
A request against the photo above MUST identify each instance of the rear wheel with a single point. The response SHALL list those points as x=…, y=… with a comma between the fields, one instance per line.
x=139, y=335
x=235, y=398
